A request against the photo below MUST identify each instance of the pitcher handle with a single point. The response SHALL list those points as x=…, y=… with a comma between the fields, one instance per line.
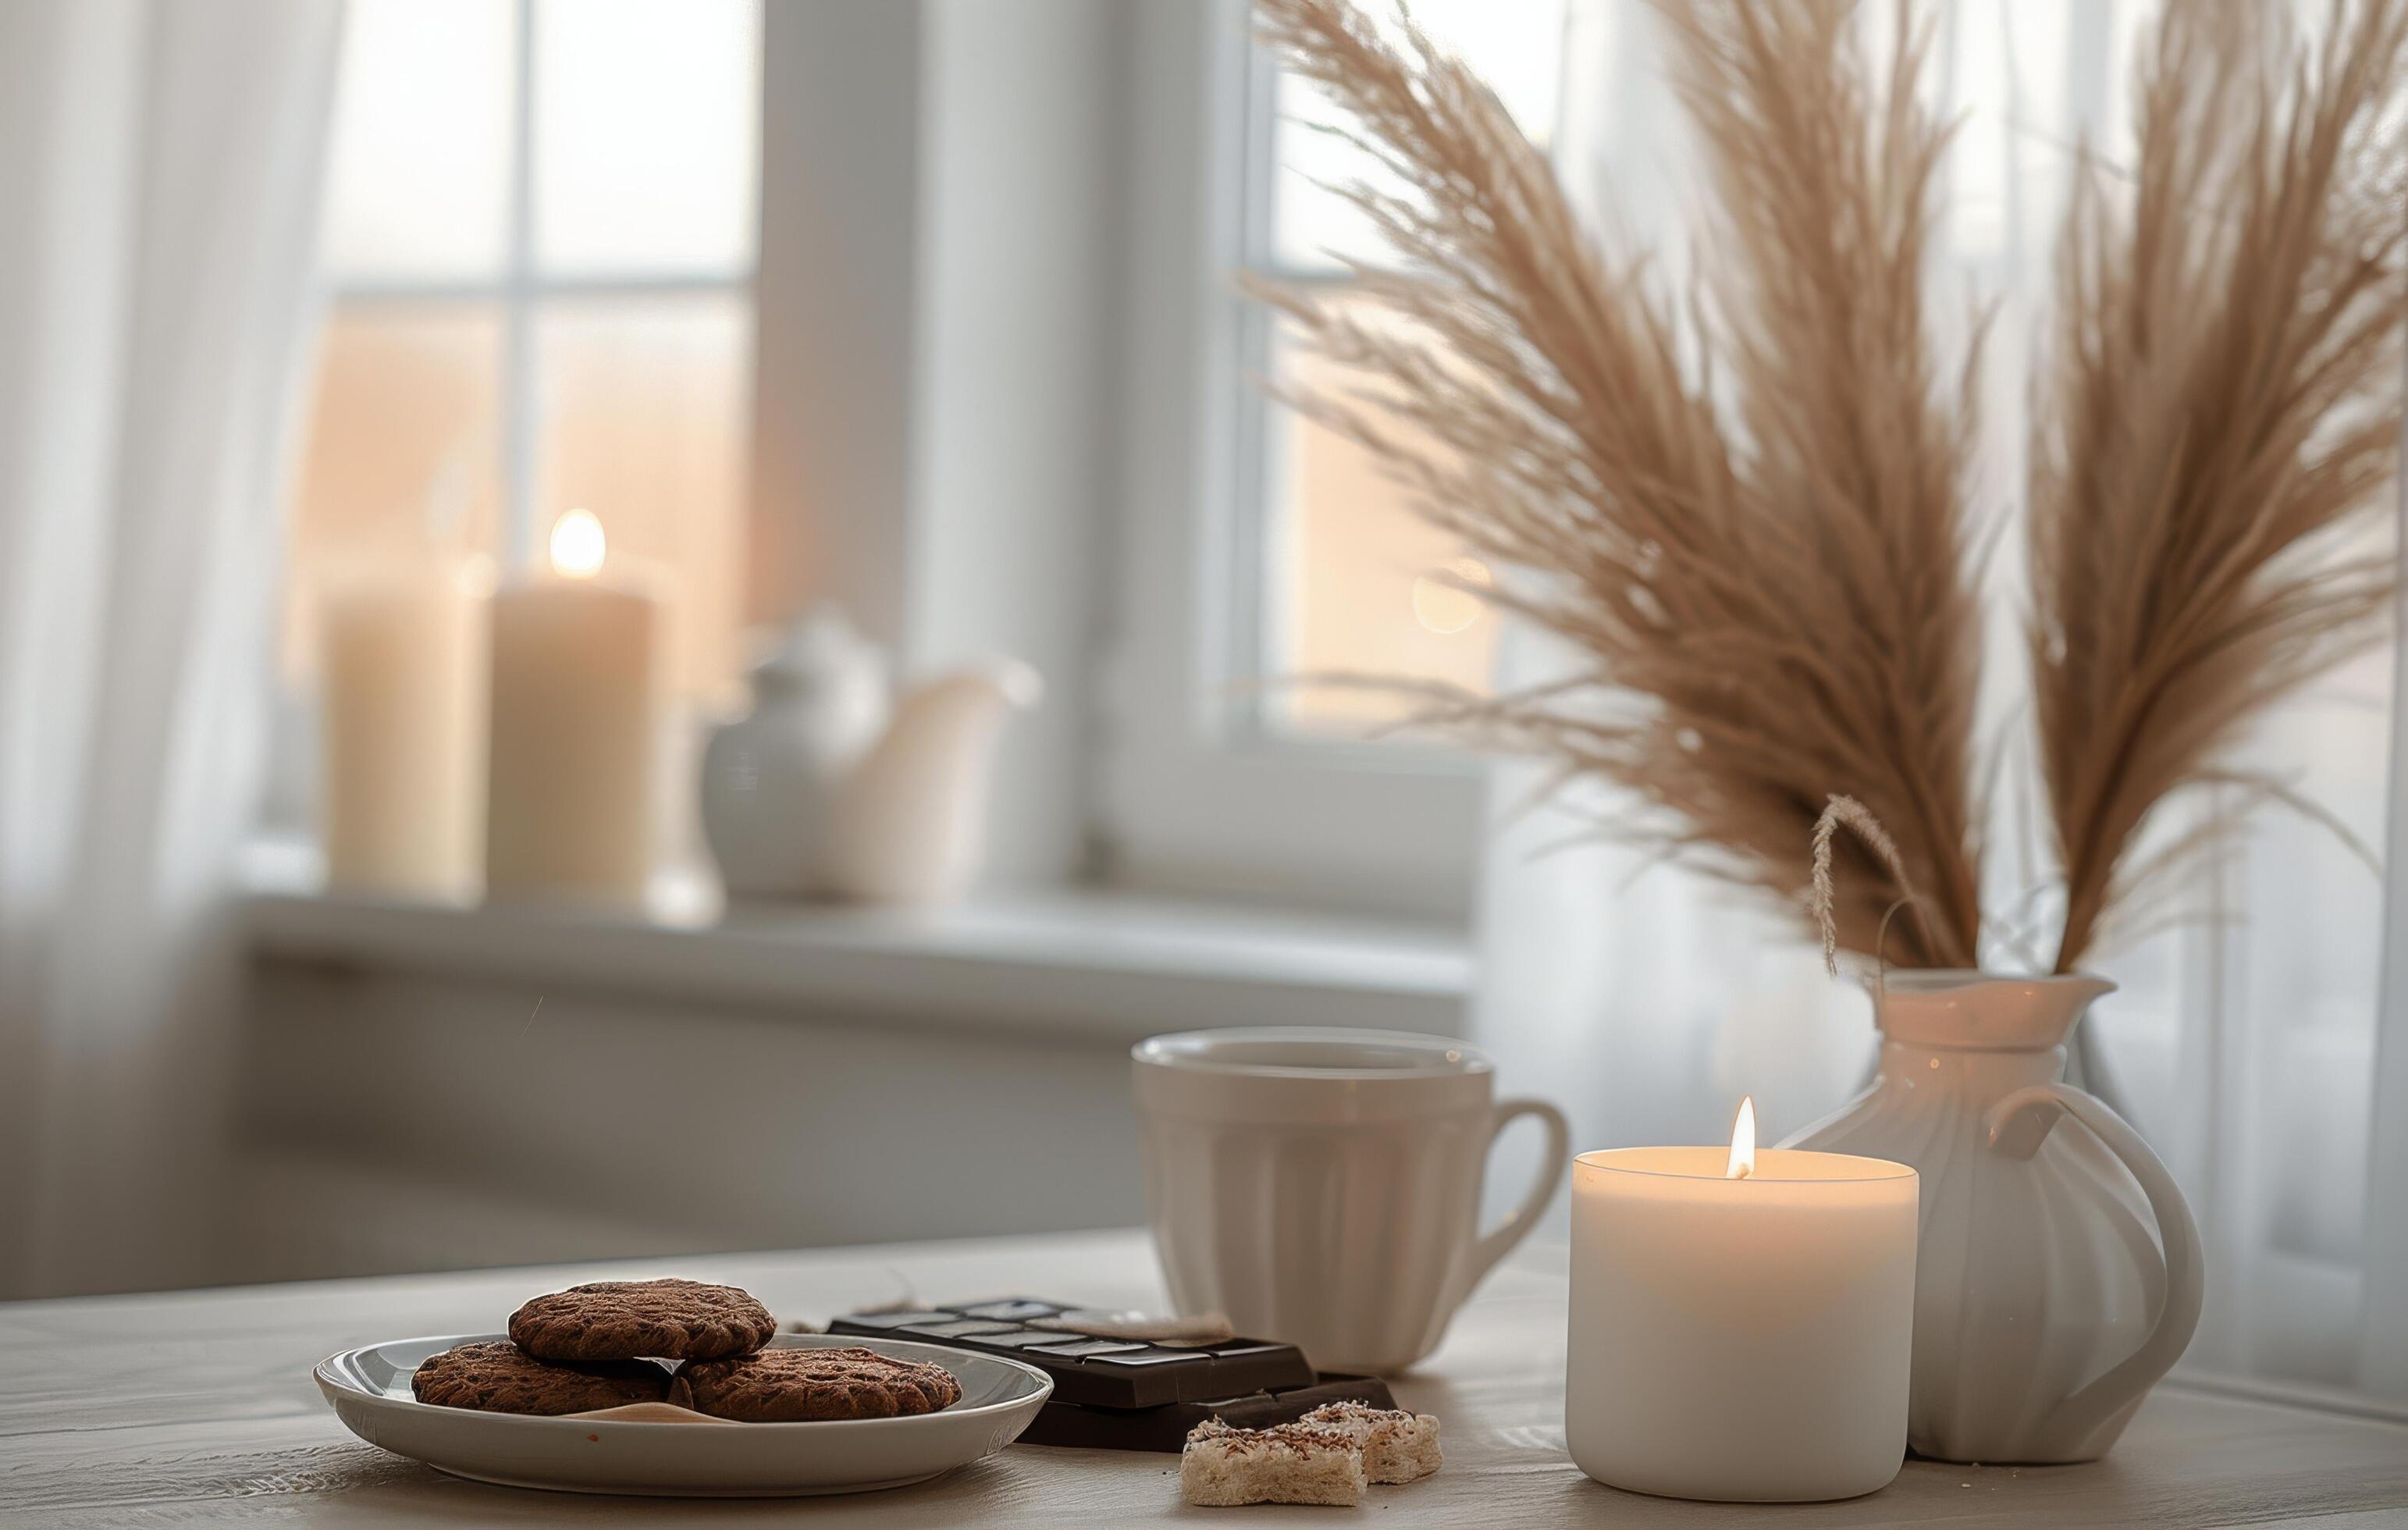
x=1516, y=1226
x=2018, y=1124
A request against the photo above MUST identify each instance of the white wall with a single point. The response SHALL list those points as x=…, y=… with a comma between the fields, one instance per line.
x=380, y=1103
x=936, y=331
x=1014, y=428
x=841, y=129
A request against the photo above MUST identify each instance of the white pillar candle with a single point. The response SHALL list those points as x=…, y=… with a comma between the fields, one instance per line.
x=1740, y=1335
x=576, y=690
x=400, y=651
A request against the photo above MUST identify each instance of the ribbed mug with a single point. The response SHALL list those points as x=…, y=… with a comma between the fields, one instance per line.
x=1323, y=1186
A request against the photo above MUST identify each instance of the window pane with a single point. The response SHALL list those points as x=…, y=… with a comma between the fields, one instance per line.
x=1357, y=582
x=401, y=449
x=1517, y=48
x=644, y=425
x=647, y=123
x=419, y=169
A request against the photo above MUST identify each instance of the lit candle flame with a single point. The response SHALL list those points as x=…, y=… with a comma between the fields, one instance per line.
x=1743, y=1158
x=578, y=545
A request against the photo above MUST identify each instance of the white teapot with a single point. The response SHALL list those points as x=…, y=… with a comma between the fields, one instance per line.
x=829, y=788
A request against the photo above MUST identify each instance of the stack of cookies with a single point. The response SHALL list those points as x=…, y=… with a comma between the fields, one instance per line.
x=1325, y=1457
x=680, y=1342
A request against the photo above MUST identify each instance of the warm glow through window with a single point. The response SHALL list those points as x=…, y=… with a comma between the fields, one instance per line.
x=1353, y=580
x=484, y=369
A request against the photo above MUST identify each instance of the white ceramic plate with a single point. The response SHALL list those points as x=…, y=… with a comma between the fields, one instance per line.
x=370, y=1391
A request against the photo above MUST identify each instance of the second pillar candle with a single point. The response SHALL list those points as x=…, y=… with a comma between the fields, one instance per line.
x=576, y=691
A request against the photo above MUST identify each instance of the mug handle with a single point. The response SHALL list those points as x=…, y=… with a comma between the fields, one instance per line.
x=2017, y=1125
x=1516, y=1226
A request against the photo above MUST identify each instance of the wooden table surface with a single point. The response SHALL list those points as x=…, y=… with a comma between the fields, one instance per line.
x=196, y=1409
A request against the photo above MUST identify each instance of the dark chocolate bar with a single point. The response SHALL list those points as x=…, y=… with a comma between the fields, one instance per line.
x=1102, y=1373
x=1164, y=1428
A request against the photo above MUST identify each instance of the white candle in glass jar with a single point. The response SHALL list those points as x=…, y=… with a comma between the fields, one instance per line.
x=577, y=691
x=1740, y=1321
x=400, y=714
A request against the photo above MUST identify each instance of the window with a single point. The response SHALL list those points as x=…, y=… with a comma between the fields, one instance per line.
x=539, y=235
x=1252, y=546
x=1343, y=576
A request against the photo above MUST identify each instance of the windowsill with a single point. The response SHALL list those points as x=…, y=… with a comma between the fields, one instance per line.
x=1087, y=964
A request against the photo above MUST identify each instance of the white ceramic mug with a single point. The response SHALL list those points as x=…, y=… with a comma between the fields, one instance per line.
x=1323, y=1186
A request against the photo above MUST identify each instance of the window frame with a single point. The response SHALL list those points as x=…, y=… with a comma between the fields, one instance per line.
x=1195, y=793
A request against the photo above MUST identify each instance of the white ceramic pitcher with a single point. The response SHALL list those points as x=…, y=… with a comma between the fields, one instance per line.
x=831, y=788
x=2044, y=1309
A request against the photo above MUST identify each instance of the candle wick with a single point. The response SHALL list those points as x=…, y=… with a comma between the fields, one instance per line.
x=1742, y=1171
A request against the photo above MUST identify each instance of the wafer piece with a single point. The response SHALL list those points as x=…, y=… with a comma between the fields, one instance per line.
x=1144, y=1327
x=1398, y=1446
x=1292, y=1463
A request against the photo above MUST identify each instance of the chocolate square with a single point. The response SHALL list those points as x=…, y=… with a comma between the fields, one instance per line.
x=1071, y=1346
x=1011, y=1311
x=1145, y=1355
x=964, y=1330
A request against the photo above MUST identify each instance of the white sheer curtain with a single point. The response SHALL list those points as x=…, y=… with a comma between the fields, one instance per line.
x=2245, y=1046
x=159, y=165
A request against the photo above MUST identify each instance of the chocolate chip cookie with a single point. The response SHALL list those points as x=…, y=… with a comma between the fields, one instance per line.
x=787, y=1386
x=504, y=1379
x=624, y=1320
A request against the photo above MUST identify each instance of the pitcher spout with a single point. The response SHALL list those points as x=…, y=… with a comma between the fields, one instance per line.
x=914, y=816
x=1959, y=1008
